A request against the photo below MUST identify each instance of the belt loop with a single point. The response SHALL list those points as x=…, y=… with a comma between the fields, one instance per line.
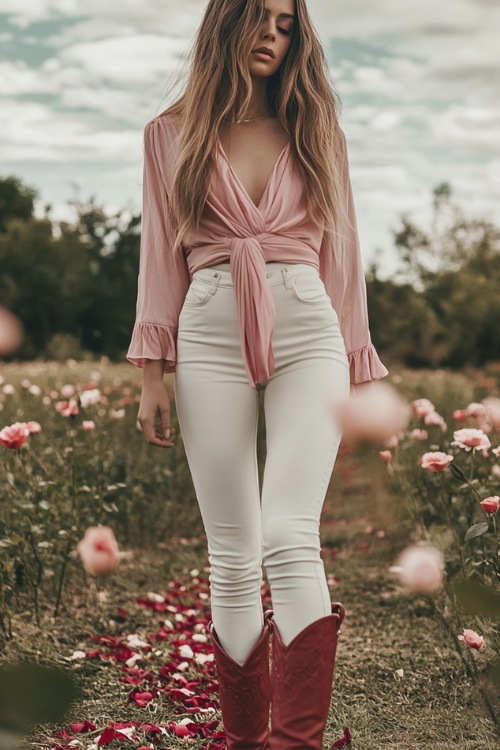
x=286, y=277
x=214, y=282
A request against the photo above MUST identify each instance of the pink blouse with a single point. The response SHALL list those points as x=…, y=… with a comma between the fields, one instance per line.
x=233, y=228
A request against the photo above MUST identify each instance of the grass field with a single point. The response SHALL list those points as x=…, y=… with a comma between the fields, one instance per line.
x=399, y=680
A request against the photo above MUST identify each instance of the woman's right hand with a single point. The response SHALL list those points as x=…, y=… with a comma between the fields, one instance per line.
x=155, y=400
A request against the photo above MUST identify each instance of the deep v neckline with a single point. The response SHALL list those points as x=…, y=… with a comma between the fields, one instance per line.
x=243, y=188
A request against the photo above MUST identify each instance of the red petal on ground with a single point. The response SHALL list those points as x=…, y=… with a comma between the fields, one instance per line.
x=84, y=726
x=110, y=734
x=93, y=654
x=150, y=729
x=142, y=698
x=343, y=741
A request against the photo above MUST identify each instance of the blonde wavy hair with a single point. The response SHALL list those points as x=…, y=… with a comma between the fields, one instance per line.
x=300, y=94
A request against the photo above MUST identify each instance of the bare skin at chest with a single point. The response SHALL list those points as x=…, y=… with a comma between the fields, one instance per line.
x=252, y=151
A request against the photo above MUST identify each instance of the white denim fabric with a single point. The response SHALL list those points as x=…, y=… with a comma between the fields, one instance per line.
x=217, y=412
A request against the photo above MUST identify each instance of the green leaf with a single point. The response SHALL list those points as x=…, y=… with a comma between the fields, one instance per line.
x=476, y=598
x=477, y=530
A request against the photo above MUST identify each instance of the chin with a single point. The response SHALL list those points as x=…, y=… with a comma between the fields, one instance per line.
x=259, y=73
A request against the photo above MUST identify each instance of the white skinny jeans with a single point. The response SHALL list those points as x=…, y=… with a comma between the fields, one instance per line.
x=217, y=412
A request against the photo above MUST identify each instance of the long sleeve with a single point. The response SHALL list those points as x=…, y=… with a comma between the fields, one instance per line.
x=341, y=271
x=163, y=279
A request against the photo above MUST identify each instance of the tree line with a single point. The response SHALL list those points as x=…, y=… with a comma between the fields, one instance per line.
x=73, y=284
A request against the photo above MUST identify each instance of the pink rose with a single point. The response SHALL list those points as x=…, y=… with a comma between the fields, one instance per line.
x=34, y=427
x=89, y=397
x=495, y=470
x=490, y=504
x=372, y=415
x=387, y=457
x=459, y=414
x=420, y=568
x=475, y=410
x=484, y=425
x=116, y=413
x=392, y=442
x=436, y=461
x=14, y=435
x=88, y=425
x=418, y=434
x=99, y=550
x=470, y=438
x=432, y=417
x=496, y=451
x=472, y=639
x=492, y=406
x=67, y=408
x=421, y=406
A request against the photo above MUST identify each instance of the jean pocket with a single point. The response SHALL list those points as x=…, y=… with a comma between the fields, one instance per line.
x=198, y=293
x=309, y=289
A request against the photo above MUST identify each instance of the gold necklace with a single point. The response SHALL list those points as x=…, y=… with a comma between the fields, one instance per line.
x=237, y=122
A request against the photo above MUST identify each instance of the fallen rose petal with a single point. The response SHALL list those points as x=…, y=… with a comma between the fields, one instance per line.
x=84, y=726
x=182, y=731
x=110, y=734
x=343, y=741
x=142, y=699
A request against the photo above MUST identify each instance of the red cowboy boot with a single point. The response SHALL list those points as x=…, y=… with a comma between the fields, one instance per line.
x=245, y=692
x=301, y=683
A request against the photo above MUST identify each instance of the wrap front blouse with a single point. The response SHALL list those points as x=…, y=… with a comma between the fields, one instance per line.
x=233, y=228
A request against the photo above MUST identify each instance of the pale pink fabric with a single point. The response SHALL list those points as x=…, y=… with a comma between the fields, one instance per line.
x=234, y=229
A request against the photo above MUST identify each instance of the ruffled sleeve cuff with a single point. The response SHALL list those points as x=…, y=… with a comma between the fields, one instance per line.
x=364, y=365
x=153, y=341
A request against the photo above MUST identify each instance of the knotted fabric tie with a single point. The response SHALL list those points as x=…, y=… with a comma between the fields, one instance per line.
x=256, y=308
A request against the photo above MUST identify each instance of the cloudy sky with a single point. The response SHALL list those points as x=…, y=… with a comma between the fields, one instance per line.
x=418, y=82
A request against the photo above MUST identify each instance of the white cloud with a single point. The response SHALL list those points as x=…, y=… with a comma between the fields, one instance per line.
x=126, y=60
x=418, y=85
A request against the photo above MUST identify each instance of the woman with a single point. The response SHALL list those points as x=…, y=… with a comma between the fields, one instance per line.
x=251, y=279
